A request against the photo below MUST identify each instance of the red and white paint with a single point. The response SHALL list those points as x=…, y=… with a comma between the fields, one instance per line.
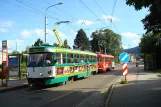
x=124, y=69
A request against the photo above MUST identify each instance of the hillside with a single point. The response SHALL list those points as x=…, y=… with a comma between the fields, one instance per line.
x=134, y=50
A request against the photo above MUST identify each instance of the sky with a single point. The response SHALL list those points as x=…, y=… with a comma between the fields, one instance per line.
x=22, y=22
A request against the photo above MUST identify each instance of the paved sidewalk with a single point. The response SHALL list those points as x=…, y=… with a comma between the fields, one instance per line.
x=14, y=84
x=143, y=90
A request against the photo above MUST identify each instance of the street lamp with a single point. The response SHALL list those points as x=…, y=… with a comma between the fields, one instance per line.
x=46, y=16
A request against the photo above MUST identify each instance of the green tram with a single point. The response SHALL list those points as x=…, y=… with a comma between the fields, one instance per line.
x=48, y=65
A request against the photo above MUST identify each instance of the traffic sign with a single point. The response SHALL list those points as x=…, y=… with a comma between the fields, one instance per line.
x=124, y=57
x=124, y=69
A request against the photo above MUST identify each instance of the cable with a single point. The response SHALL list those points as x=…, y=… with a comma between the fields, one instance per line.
x=35, y=9
x=93, y=13
x=39, y=7
x=116, y=27
x=113, y=9
x=73, y=18
x=22, y=7
x=61, y=10
x=100, y=7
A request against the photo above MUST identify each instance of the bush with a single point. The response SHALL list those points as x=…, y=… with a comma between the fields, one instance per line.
x=3, y=75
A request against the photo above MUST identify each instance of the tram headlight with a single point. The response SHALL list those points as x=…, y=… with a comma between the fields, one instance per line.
x=41, y=74
x=27, y=74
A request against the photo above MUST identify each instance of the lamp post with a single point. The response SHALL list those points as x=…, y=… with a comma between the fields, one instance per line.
x=46, y=16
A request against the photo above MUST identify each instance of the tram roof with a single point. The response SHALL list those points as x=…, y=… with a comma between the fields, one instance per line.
x=105, y=55
x=37, y=49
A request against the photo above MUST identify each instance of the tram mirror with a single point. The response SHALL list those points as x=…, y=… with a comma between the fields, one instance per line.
x=48, y=61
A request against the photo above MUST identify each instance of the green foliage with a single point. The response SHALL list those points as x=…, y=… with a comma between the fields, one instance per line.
x=152, y=22
x=38, y=42
x=148, y=43
x=81, y=41
x=66, y=44
x=26, y=50
x=111, y=42
x=124, y=81
x=23, y=68
x=15, y=52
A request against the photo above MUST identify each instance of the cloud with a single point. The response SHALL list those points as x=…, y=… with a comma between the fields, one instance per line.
x=129, y=35
x=125, y=46
x=62, y=35
x=3, y=30
x=86, y=22
x=109, y=18
x=26, y=33
x=39, y=32
x=6, y=23
x=137, y=41
x=20, y=42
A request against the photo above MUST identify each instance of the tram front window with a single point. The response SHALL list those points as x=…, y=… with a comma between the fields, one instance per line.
x=36, y=60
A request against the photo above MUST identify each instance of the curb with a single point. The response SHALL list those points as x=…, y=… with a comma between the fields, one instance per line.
x=110, y=93
x=13, y=88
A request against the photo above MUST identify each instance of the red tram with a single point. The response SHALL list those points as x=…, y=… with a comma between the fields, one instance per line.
x=105, y=62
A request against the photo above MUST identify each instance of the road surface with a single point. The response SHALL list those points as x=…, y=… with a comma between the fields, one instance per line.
x=81, y=93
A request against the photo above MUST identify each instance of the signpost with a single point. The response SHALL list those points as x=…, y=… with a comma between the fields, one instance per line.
x=4, y=63
x=124, y=58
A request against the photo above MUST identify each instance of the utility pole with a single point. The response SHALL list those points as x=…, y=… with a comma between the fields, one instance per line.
x=46, y=17
x=16, y=46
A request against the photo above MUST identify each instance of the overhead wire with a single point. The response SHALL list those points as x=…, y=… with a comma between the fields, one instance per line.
x=113, y=9
x=40, y=7
x=93, y=13
x=100, y=7
x=63, y=12
x=36, y=9
x=73, y=18
x=9, y=2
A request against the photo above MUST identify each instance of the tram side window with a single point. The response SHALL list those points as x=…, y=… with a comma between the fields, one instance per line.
x=64, y=58
x=94, y=58
x=49, y=58
x=91, y=58
x=107, y=59
x=70, y=58
x=58, y=58
x=98, y=59
x=87, y=58
x=102, y=59
x=81, y=58
x=76, y=58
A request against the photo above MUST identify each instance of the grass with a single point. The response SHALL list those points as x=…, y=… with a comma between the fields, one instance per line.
x=124, y=81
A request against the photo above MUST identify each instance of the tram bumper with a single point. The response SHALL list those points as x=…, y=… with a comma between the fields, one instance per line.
x=37, y=81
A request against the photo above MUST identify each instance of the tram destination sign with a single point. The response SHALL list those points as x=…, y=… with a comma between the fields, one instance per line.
x=33, y=50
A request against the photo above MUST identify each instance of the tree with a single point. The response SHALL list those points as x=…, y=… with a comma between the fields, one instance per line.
x=15, y=52
x=151, y=44
x=81, y=41
x=106, y=41
x=66, y=44
x=26, y=50
x=38, y=42
x=152, y=22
